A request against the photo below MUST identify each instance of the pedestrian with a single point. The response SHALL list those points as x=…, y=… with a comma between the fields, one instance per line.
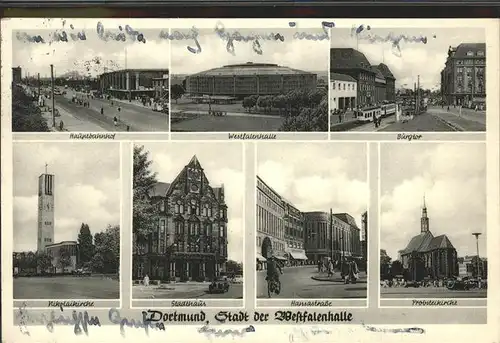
x=115, y=120
x=61, y=125
x=119, y=109
x=146, y=280
x=102, y=110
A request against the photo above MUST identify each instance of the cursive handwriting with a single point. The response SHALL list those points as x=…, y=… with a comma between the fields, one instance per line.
x=303, y=335
x=176, y=35
x=237, y=36
x=80, y=320
x=105, y=35
x=115, y=318
x=414, y=330
x=325, y=25
x=362, y=33
x=209, y=332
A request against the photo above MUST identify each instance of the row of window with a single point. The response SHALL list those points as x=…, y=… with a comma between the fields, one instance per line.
x=195, y=229
x=181, y=208
x=270, y=223
x=270, y=201
x=295, y=245
x=342, y=86
x=277, y=246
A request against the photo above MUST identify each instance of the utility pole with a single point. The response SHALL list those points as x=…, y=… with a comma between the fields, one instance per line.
x=477, y=234
x=53, y=100
x=418, y=94
x=331, y=232
x=39, y=86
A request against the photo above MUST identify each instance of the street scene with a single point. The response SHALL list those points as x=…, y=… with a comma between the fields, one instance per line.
x=282, y=88
x=446, y=257
x=309, y=246
x=76, y=252
x=377, y=84
x=90, y=86
x=195, y=195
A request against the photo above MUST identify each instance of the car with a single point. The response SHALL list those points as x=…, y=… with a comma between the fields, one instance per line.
x=219, y=285
x=238, y=279
x=82, y=272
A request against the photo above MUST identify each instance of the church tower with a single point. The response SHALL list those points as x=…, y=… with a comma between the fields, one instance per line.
x=45, y=210
x=424, y=221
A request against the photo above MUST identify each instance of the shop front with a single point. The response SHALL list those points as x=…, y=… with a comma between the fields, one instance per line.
x=297, y=257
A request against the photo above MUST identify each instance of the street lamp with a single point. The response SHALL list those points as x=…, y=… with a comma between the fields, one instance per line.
x=477, y=234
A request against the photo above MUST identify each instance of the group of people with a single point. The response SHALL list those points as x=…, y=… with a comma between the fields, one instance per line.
x=349, y=270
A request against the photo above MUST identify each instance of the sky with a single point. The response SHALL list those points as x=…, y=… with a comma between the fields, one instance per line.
x=317, y=176
x=170, y=158
x=452, y=176
x=426, y=60
x=78, y=55
x=300, y=54
x=86, y=188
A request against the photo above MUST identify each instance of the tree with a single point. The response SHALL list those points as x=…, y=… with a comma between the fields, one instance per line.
x=176, y=92
x=44, y=261
x=396, y=268
x=64, y=260
x=145, y=214
x=233, y=267
x=97, y=263
x=107, y=248
x=26, y=116
x=85, y=244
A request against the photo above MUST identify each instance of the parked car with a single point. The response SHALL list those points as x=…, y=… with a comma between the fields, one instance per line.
x=219, y=285
x=238, y=279
x=462, y=284
x=82, y=272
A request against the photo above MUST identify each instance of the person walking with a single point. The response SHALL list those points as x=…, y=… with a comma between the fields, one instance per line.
x=115, y=121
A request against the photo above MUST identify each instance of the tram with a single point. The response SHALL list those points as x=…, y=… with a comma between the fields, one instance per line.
x=388, y=108
x=366, y=114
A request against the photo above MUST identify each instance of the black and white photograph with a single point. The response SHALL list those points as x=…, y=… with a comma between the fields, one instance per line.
x=188, y=229
x=102, y=83
x=260, y=85
x=66, y=221
x=433, y=220
x=400, y=79
x=311, y=220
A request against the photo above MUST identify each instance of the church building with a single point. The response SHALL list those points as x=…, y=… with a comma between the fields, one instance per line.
x=427, y=255
x=190, y=240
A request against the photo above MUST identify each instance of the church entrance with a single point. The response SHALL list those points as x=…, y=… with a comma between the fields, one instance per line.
x=267, y=248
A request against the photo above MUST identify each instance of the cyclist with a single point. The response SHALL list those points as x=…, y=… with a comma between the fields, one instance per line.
x=272, y=269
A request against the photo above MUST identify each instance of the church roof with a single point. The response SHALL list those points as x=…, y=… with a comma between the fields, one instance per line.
x=440, y=242
x=159, y=189
x=419, y=243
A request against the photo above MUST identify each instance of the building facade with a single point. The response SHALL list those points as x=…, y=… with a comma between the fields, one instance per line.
x=17, y=75
x=132, y=83
x=364, y=236
x=468, y=266
x=46, y=198
x=463, y=79
x=271, y=239
x=343, y=91
x=354, y=63
x=429, y=256
x=294, y=234
x=390, y=82
x=380, y=85
x=190, y=240
x=241, y=80
x=64, y=256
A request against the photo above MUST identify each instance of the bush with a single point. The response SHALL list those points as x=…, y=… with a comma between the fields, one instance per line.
x=26, y=116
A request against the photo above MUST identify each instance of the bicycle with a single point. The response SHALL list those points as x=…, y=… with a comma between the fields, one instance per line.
x=273, y=286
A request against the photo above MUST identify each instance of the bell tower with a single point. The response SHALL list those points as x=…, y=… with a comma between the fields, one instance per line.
x=424, y=221
x=45, y=210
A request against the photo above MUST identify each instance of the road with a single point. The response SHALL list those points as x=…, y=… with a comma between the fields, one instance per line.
x=195, y=290
x=429, y=292
x=233, y=123
x=296, y=283
x=138, y=118
x=66, y=287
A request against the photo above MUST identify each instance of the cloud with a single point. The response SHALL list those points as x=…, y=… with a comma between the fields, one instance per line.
x=317, y=176
x=222, y=164
x=92, y=56
x=426, y=60
x=301, y=54
x=87, y=188
x=452, y=176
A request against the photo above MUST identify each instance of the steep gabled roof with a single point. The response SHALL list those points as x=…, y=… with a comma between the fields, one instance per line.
x=341, y=77
x=419, y=243
x=378, y=73
x=348, y=58
x=159, y=189
x=384, y=69
x=462, y=49
x=440, y=242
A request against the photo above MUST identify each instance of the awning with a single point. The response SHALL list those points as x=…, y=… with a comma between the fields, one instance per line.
x=298, y=255
x=281, y=258
x=260, y=258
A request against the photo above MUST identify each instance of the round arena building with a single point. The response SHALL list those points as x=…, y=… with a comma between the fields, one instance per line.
x=241, y=80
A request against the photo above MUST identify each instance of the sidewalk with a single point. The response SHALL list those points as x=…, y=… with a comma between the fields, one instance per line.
x=370, y=127
x=467, y=121
x=74, y=124
x=133, y=102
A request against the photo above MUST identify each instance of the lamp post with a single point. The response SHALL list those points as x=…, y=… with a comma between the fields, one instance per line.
x=477, y=234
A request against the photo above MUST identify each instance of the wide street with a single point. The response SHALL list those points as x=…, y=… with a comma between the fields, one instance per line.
x=66, y=287
x=232, y=122
x=188, y=290
x=429, y=292
x=137, y=117
x=296, y=283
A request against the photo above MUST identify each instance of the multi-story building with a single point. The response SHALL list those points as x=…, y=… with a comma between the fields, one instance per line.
x=468, y=266
x=343, y=91
x=294, y=234
x=241, y=80
x=364, y=236
x=390, y=82
x=380, y=85
x=331, y=235
x=354, y=63
x=132, y=83
x=190, y=240
x=271, y=239
x=429, y=256
x=16, y=75
x=64, y=256
x=463, y=79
